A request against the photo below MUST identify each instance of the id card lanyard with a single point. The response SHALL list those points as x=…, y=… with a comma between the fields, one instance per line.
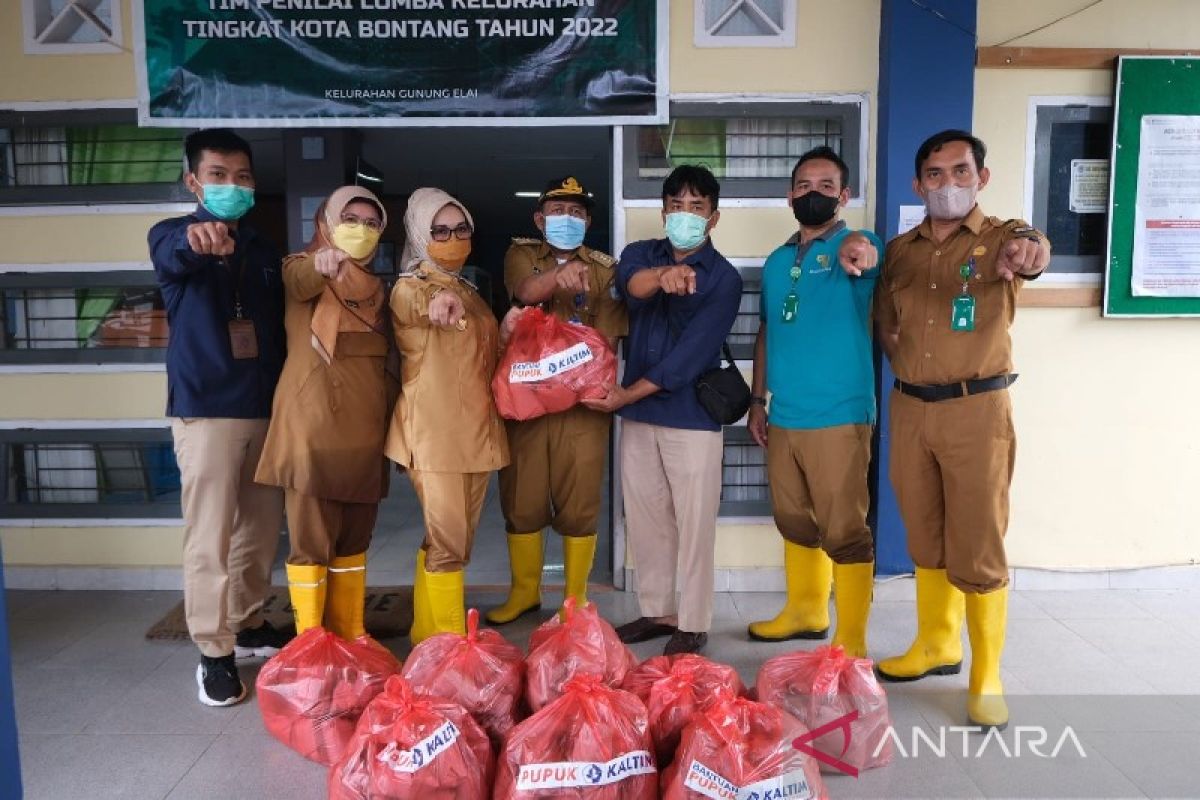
x=791, y=303
x=962, y=308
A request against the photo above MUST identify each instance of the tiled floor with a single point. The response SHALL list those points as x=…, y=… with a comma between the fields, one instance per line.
x=103, y=713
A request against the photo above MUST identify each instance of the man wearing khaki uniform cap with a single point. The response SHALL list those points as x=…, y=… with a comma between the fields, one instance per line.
x=946, y=300
x=557, y=468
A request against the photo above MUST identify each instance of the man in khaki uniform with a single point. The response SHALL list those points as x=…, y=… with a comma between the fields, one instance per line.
x=946, y=300
x=557, y=468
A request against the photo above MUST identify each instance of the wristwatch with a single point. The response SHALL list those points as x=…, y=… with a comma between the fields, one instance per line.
x=757, y=400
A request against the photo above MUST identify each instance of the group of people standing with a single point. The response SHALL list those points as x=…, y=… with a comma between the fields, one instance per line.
x=297, y=383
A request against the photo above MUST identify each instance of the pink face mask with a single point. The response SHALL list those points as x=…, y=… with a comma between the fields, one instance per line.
x=950, y=202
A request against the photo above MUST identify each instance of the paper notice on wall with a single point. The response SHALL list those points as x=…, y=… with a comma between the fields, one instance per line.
x=1166, y=236
x=910, y=217
x=1089, y=186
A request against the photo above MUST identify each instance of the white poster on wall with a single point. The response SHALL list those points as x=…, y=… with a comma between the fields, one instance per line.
x=1089, y=186
x=910, y=217
x=1166, y=236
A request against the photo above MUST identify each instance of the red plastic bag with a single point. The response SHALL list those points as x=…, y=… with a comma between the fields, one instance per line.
x=592, y=743
x=409, y=745
x=480, y=671
x=312, y=692
x=550, y=365
x=583, y=643
x=677, y=688
x=739, y=748
x=827, y=689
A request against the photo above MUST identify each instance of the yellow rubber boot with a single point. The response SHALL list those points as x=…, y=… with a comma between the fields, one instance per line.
x=445, y=592
x=805, y=613
x=578, y=553
x=987, y=616
x=937, y=649
x=347, y=596
x=422, y=624
x=306, y=589
x=525, y=592
x=853, y=586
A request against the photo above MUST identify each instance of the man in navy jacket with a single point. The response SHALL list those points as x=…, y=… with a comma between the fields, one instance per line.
x=221, y=285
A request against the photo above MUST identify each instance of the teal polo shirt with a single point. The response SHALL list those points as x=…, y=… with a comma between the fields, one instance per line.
x=819, y=367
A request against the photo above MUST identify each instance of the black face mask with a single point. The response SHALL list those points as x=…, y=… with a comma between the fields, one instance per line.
x=814, y=208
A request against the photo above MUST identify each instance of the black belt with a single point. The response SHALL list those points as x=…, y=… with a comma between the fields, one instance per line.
x=948, y=391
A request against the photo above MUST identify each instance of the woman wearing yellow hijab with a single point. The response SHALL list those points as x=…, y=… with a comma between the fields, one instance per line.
x=330, y=415
x=445, y=431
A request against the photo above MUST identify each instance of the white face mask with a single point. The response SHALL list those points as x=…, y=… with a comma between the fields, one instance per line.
x=950, y=202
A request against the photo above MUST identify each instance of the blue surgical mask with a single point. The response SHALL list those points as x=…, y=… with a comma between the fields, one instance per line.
x=227, y=201
x=564, y=232
x=686, y=231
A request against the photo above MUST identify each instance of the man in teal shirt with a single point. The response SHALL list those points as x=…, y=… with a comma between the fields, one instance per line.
x=813, y=353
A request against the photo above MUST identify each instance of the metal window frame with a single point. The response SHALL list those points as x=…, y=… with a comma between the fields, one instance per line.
x=740, y=435
x=851, y=113
x=171, y=192
x=702, y=35
x=81, y=280
x=33, y=39
x=171, y=510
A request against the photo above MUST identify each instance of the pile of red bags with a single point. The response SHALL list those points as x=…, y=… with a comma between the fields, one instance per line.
x=480, y=671
x=410, y=746
x=592, y=743
x=826, y=689
x=677, y=688
x=740, y=748
x=550, y=365
x=580, y=642
x=313, y=691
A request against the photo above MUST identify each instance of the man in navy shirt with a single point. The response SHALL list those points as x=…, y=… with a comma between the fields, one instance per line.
x=221, y=285
x=683, y=297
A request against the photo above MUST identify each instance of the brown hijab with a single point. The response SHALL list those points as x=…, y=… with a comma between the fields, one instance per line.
x=354, y=302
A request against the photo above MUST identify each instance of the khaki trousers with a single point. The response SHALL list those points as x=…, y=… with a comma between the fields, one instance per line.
x=556, y=472
x=451, y=502
x=819, y=494
x=320, y=530
x=951, y=466
x=231, y=528
x=671, y=481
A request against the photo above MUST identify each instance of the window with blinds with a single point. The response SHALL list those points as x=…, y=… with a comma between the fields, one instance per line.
x=89, y=473
x=751, y=148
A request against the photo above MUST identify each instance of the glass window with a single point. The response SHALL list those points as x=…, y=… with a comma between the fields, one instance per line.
x=743, y=476
x=72, y=26
x=745, y=23
x=89, y=473
x=751, y=148
x=81, y=317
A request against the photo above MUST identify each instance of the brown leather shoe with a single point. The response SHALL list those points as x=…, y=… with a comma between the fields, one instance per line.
x=643, y=629
x=685, y=642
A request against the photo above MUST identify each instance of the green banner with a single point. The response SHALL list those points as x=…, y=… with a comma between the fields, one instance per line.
x=398, y=62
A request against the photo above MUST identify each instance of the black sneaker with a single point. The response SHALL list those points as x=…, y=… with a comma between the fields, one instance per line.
x=261, y=642
x=219, y=682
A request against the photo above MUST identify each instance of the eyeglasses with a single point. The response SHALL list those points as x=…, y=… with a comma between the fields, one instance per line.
x=441, y=233
x=370, y=222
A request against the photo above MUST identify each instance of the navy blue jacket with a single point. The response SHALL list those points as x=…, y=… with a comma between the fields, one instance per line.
x=203, y=378
x=673, y=339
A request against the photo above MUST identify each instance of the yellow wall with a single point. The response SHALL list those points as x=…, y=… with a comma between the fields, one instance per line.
x=130, y=395
x=1107, y=460
x=26, y=78
x=92, y=238
x=98, y=547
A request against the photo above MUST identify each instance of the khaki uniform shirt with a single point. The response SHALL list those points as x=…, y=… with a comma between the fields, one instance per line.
x=445, y=419
x=601, y=310
x=920, y=280
x=329, y=420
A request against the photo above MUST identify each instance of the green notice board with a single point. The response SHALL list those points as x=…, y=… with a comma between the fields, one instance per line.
x=1147, y=86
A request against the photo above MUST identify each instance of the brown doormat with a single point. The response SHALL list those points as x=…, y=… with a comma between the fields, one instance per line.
x=388, y=614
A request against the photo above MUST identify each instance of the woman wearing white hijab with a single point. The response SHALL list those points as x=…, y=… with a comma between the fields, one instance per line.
x=445, y=430
x=331, y=411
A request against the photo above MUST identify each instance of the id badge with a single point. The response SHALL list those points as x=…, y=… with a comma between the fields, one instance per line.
x=791, y=305
x=242, y=340
x=962, y=317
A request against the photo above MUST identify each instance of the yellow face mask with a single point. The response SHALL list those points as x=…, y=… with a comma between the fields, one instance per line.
x=356, y=241
x=451, y=254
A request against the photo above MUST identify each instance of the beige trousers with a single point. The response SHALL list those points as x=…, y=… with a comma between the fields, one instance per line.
x=231, y=528
x=671, y=481
x=451, y=503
